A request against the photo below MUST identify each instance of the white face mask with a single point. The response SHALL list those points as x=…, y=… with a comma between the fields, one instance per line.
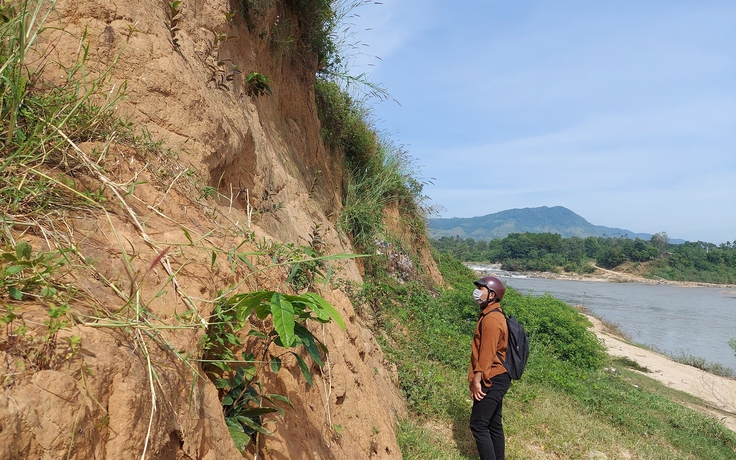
x=477, y=296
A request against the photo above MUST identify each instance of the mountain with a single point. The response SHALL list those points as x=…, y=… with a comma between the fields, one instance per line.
x=544, y=219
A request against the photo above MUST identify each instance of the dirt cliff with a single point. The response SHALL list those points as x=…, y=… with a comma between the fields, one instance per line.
x=236, y=179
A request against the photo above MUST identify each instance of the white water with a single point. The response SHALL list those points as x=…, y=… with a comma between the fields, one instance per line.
x=697, y=321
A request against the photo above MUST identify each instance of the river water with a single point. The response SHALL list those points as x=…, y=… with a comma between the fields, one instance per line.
x=697, y=321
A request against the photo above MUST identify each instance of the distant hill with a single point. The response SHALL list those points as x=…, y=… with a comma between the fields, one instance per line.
x=556, y=219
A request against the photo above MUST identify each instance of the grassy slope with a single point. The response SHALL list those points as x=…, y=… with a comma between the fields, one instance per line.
x=566, y=405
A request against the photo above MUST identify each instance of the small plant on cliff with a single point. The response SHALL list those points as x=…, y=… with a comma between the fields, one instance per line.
x=258, y=84
x=174, y=13
x=282, y=324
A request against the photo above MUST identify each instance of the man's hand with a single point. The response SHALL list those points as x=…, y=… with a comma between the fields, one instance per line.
x=475, y=387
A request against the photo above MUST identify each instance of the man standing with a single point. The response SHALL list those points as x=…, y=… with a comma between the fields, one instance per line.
x=488, y=379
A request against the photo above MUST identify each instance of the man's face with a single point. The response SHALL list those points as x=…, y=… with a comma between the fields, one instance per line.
x=486, y=292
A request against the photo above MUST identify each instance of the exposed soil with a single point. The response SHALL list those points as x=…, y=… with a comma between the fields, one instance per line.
x=269, y=180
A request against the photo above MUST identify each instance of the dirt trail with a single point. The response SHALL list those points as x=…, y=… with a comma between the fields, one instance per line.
x=719, y=393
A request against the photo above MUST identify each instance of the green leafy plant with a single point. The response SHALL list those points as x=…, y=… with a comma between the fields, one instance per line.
x=243, y=400
x=24, y=276
x=258, y=84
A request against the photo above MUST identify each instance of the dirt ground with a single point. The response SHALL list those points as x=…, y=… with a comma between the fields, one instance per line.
x=718, y=393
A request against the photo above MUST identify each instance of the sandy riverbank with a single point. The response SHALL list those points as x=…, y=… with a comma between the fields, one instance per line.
x=604, y=275
x=719, y=393
x=600, y=275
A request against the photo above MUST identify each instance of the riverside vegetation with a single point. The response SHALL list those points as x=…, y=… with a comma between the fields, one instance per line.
x=566, y=404
x=656, y=258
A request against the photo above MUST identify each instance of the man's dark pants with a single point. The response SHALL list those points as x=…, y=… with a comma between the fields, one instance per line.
x=485, y=419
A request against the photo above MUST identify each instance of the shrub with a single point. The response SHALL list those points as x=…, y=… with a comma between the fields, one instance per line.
x=558, y=327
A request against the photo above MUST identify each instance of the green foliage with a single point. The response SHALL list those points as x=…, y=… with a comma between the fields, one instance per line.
x=27, y=276
x=345, y=124
x=559, y=328
x=243, y=400
x=258, y=85
x=383, y=179
x=703, y=262
x=37, y=123
x=317, y=23
x=254, y=11
x=24, y=275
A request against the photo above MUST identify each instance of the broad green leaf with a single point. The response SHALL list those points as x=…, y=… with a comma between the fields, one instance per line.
x=283, y=319
x=15, y=293
x=23, y=250
x=253, y=425
x=246, y=303
x=250, y=372
x=221, y=383
x=14, y=269
x=309, y=343
x=325, y=310
x=213, y=260
x=48, y=291
x=239, y=437
x=275, y=364
x=305, y=369
x=328, y=276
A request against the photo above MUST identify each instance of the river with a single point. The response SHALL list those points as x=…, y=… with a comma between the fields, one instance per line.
x=696, y=321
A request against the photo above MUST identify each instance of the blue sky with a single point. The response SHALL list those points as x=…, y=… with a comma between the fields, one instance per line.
x=624, y=112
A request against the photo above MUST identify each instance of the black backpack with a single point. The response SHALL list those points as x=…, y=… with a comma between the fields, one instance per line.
x=517, y=351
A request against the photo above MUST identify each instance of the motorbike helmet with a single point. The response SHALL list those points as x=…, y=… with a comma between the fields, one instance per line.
x=493, y=284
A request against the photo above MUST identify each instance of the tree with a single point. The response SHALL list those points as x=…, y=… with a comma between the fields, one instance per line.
x=660, y=240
